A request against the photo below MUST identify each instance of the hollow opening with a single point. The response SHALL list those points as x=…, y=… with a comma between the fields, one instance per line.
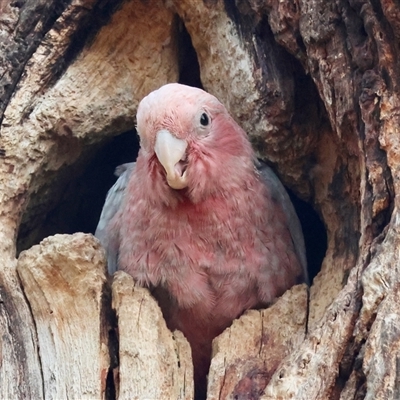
x=189, y=68
x=81, y=198
x=315, y=237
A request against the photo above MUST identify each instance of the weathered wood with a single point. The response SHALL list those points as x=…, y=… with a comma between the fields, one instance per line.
x=311, y=370
x=247, y=354
x=23, y=26
x=63, y=279
x=316, y=86
x=154, y=363
x=382, y=350
x=20, y=371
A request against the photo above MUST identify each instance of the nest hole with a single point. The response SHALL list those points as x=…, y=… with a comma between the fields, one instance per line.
x=81, y=197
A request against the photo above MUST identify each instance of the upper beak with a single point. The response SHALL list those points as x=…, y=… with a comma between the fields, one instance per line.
x=171, y=151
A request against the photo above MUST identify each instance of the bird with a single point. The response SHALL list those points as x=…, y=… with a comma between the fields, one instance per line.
x=199, y=220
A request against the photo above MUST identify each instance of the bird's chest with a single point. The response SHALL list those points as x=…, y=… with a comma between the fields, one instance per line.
x=198, y=253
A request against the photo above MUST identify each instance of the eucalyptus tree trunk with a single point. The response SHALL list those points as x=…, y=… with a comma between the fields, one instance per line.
x=316, y=86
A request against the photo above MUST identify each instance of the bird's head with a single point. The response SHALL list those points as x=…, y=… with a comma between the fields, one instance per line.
x=191, y=134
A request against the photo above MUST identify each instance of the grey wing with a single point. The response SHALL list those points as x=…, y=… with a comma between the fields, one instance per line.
x=111, y=206
x=279, y=193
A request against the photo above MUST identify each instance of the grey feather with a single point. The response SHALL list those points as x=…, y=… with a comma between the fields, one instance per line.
x=112, y=204
x=279, y=193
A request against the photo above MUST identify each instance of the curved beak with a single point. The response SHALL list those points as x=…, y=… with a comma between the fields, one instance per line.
x=171, y=152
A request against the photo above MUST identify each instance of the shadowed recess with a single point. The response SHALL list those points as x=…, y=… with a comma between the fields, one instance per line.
x=82, y=196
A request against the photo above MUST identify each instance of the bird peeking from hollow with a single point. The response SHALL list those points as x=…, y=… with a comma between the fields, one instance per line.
x=198, y=220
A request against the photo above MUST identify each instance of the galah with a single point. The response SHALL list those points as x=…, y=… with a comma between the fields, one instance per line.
x=199, y=221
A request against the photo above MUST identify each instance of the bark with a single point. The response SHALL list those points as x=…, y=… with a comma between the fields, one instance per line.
x=154, y=363
x=315, y=85
x=242, y=368
x=63, y=279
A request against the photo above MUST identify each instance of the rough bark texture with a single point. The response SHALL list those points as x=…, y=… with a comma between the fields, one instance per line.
x=316, y=86
x=148, y=351
x=63, y=279
x=247, y=354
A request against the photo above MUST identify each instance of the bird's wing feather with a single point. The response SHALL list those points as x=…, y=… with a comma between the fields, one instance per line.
x=279, y=193
x=112, y=204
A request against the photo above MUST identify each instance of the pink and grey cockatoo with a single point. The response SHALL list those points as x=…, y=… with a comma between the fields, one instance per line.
x=197, y=222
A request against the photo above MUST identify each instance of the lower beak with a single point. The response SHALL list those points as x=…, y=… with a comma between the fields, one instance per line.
x=171, y=152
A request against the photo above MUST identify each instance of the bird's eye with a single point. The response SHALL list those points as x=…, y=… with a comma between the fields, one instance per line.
x=204, y=120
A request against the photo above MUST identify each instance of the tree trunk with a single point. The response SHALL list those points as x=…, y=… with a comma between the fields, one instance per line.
x=316, y=86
